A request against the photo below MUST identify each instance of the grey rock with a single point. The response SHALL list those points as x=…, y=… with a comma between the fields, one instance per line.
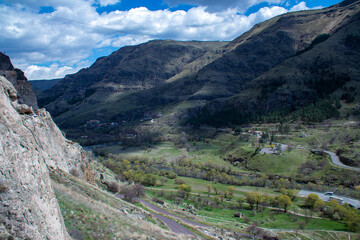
x=30, y=144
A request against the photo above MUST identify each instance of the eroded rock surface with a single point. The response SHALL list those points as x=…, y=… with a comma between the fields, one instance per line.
x=30, y=144
x=19, y=81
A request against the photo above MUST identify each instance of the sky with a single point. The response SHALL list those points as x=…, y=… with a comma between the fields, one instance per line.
x=48, y=39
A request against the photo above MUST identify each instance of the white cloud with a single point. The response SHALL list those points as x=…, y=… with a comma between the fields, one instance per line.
x=195, y=24
x=216, y=5
x=69, y=34
x=108, y=2
x=34, y=72
x=301, y=6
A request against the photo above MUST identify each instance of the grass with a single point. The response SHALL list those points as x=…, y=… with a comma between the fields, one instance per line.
x=200, y=186
x=200, y=151
x=273, y=219
x=314, y=235
x=90, y=213
x=287, y=164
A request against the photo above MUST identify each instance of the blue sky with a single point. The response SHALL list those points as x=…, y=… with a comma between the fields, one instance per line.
x=49, y=39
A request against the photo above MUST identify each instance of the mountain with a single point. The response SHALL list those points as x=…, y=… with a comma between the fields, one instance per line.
x=273, y=70
x=130, y=68
x=327, y=67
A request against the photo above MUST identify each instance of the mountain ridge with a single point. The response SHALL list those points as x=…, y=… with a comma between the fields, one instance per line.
x=212, y=78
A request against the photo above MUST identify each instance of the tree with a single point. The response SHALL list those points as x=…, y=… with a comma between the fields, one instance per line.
x=292, y=193
x=285, y=201
x=311, y=200
x=185, y=188
x=254, y=199
x=148, y=180
x=215, y=190
x=240, y=201
x=231, y=191
x=259, y=198
x=208, y=188
x=319, y=204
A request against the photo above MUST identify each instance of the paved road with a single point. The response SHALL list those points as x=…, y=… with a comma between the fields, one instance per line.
x=334, y=158
x=160, y=210
x=353, y=202
x=174, y=226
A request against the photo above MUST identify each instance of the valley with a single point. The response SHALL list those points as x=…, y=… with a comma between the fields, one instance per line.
x=254, y=138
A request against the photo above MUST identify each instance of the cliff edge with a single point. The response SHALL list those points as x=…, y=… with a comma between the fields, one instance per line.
x=31, y=145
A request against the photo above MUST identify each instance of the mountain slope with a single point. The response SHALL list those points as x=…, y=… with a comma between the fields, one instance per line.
x=330, y=67
x=128, y=69
x=240, y=77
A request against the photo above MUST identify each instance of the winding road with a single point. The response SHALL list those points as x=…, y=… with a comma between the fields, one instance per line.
x=334, y=158
x=353, y=202
x=172, y=225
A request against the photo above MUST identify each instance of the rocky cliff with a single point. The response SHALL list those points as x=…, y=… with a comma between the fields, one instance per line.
x=18, y=79
x=30, y=145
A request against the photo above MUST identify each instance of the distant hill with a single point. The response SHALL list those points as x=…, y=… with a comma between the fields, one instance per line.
x=277, y=69
x=39, y=86
x=130, y=68
x=44, y=84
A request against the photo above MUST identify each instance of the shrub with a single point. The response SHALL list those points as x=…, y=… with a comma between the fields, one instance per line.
x=128, y=192
x=148, y=180
x=179, y=181
x=113, y=187
x=157, y=200
x=74, y=172
x=139, y=190
x=171, y=175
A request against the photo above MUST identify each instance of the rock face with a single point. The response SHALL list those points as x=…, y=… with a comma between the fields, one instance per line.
x=30, y=144
x=20, y=82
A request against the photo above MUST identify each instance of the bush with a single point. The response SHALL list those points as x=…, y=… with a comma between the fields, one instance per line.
x=132, y=191
x=157, y=200
x=179, y=181
x=74, y=172
x=171, y=175
x=148, y=180
x=113, y=187
x=128, y=192
x=139, y=190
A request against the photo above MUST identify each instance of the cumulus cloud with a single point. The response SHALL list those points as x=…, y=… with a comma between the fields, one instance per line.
x=216, y=5
x=34, y=72
x=73, y=29
x=301, y=6
x=195, y=24
x=108, y=2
